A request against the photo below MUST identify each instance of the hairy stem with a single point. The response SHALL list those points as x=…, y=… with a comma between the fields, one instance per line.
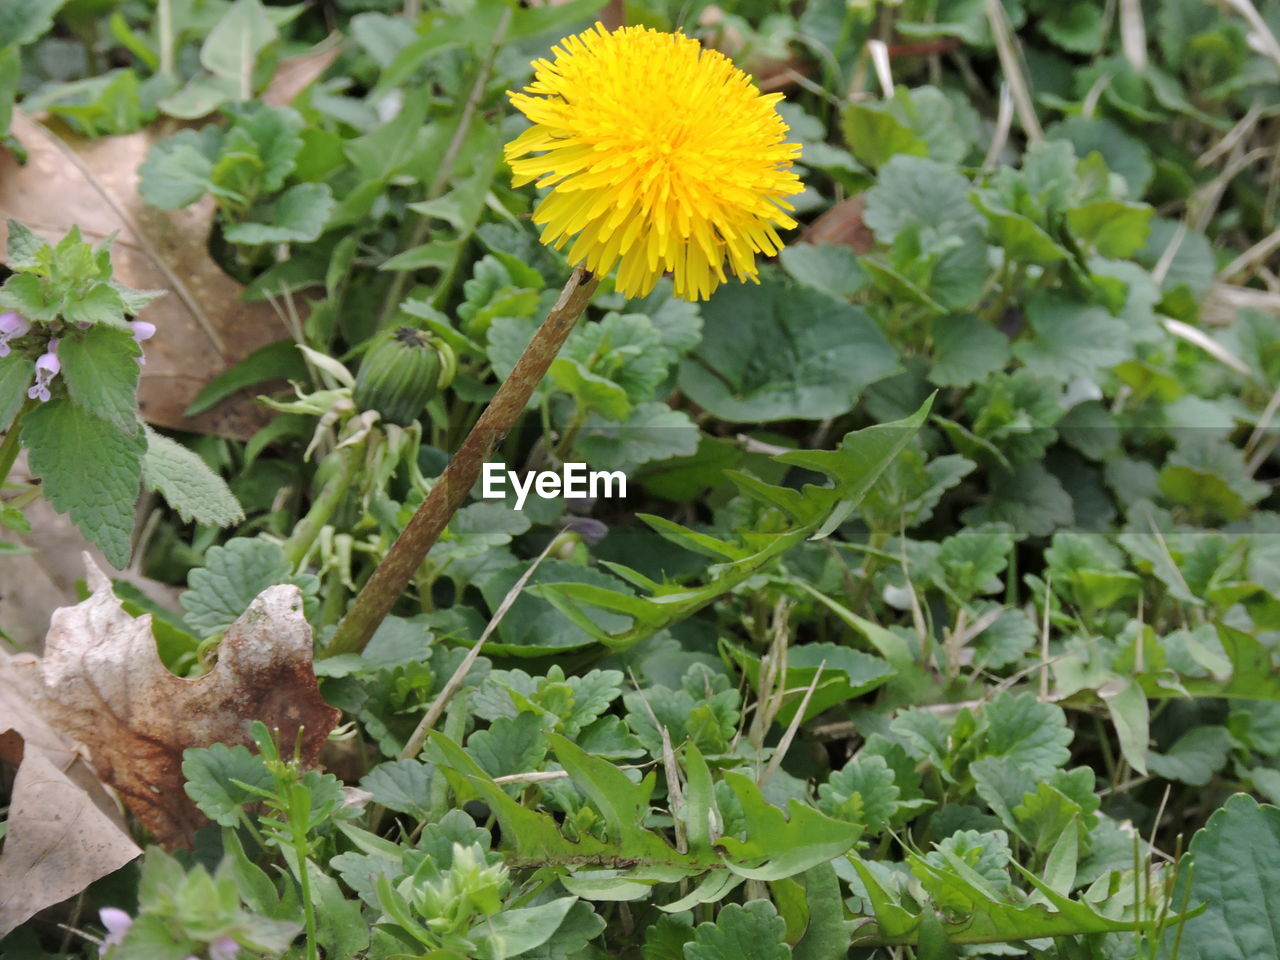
x=392, y=575
x=9, y=448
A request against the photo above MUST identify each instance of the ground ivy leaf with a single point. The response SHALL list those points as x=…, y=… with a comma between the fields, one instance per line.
x=777, y=352
x=298, y=215
x=1073, y=339
x=401, y=785
x=209, y=772
x=1029, y=498
x=1032, y=735
x=61, y=438
x=750, y=932
x=232, y=576
x=863, y=791
x=510, y=745
x=914, y=191
x=187, y=483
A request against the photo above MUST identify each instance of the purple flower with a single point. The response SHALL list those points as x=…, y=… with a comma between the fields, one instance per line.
x=142, y=330
x=117, y=923
x=47, y=367
x=12, y=325
x=224, y=948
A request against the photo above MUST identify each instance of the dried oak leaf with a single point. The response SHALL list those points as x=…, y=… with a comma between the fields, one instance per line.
x=202, y=325
x=102, y=682
x=64, y=829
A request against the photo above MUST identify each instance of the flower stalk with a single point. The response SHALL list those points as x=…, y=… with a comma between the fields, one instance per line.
x=394, y=573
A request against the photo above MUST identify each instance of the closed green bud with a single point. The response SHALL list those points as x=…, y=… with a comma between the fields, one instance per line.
x=401, y=372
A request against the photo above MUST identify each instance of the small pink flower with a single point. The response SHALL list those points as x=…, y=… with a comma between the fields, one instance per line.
x=117, y=923
x=47, y=367
x=12, y=326
x=142, y=330
x=224, y=948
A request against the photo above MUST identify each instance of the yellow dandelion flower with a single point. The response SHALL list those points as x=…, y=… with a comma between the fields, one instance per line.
x=661, y=156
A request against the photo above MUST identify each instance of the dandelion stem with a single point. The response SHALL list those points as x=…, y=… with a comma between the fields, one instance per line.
x=393, y=574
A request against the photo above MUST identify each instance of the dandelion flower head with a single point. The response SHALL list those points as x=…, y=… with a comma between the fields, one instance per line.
x=660, y=155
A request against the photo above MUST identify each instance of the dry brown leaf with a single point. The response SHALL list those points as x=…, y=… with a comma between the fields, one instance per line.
x=64, y=830
x=295, y=74
x=102, y=682
x=203, y=326
x=843, y=225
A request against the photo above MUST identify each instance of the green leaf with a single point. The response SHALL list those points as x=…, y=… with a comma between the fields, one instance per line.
x=298, y=215
x=652, y=431
x=966, y=349
x=812, y=512
x=1130, y=715
x=862, y=792
x=101, y=304
x=401, y=785
x=777, y=352
x=1194, y=758
x=188, y=484
x=25, y=22
x=100, y=367
x=1073, y=339
x=1023, y=240
x=828, y=933
x=915, y=192
x=510, y=745
x=1030, y=734
x=875, y=135
x=973, y=559
x=832, y=268
x=276, y=133
x=232, y=576
x=209, y=773
x=280, y=360
x=665, y=939
x=1076, y=27
x=753, y=931
x=514, y=932
x=1124, y=153
x=1209, y=476
x=1237, y=874
x=231, y=49
x=16, y=374
x=1028, y=498
x=777, y=847
x=846, y=674
x=90, y=470
x=178, y=170
x=1115, y=228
